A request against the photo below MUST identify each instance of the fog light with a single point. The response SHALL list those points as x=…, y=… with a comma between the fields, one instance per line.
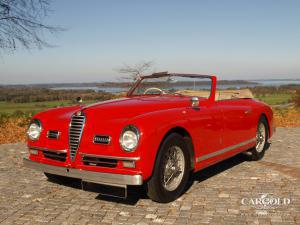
x=129, y=164
x=33, y=151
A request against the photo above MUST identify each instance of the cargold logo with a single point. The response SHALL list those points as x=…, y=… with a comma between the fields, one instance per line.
x=266, y=201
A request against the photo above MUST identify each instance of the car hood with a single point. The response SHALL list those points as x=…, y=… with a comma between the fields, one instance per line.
x=134, y=106
x=111, y=111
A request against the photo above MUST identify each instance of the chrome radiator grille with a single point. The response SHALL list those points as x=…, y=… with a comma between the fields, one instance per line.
x=75, y=133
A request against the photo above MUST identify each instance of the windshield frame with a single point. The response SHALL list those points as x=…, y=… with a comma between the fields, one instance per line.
x=166, y=74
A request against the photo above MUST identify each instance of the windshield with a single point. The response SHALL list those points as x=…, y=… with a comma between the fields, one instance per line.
x=174, y=85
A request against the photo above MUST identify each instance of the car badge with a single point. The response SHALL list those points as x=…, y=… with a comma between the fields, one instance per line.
x=102, y=139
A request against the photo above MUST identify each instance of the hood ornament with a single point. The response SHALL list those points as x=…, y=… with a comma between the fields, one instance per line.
x=79, y=100
x=79, y=113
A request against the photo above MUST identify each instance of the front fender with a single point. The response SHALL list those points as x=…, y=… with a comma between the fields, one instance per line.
x=154, y=126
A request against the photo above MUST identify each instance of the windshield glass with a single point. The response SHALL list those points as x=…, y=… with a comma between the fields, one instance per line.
x=174, y=85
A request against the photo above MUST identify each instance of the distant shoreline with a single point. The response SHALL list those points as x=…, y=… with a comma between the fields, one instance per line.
x=106, y=84
x=92, y=85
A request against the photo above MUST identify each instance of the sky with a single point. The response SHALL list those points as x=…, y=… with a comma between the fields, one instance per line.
x=258, y=39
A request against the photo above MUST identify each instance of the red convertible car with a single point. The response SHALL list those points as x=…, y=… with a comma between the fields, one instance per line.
x=167, y=126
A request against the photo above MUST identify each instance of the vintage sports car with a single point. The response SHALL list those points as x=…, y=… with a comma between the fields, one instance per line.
x=166, y=127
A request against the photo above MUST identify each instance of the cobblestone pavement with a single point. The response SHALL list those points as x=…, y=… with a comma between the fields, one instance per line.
x=218, y=195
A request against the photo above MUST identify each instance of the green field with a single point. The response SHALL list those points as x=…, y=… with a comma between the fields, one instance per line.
x=34, y=107
x=275, y=98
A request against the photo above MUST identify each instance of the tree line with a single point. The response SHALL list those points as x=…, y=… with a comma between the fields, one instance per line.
x=25, y=95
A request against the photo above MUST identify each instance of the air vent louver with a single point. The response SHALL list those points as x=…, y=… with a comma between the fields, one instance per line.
x=53, y=134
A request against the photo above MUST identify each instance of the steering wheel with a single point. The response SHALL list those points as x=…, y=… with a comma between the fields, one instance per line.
x=153, y=89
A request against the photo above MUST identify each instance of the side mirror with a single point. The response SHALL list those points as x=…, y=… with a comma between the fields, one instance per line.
x=195, y=101
x=79, y=100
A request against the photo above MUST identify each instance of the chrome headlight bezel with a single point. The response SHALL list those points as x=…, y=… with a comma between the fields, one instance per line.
x=38, y=128
x=130, y=129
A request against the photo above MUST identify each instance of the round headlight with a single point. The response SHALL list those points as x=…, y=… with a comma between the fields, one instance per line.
x=129, y=138
x=34, y=130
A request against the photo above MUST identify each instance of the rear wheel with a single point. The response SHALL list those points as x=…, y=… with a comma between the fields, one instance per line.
x=261, y=140
x=171, y=172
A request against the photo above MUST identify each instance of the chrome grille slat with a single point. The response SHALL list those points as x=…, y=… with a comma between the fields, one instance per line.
x=74, y=137
x=76, y=128
x=75, y=133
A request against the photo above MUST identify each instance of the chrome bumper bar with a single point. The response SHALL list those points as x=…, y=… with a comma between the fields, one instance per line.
x=85, y=175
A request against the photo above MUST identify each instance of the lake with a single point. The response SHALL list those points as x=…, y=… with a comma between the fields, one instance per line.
x=226, y=86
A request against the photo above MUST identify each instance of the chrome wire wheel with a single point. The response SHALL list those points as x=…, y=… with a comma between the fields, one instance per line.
x=174, y=166
x=260, y=137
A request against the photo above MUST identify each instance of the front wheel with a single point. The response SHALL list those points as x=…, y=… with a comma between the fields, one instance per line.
x=171, y=172
x=261, y=140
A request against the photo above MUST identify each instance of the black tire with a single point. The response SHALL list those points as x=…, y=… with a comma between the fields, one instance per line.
x=154, y=187
x=59, y=179
x=255, y=153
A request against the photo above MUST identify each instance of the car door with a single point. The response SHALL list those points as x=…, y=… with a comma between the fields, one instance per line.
x=207, y=127
x=238, y=121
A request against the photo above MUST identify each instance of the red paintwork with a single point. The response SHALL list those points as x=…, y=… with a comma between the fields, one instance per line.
x=214, y=126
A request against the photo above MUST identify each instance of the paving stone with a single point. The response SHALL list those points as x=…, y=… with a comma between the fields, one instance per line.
x=215, y=196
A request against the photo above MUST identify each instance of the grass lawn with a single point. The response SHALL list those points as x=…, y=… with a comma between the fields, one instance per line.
x=10, y=108
x=34, y=107
x=275, y=98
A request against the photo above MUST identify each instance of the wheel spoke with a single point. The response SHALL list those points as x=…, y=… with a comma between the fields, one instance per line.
x=260, y=137
x=174, y=168
x=169, y=179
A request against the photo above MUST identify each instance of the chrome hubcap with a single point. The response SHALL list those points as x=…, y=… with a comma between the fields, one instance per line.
x=174, y=166
x=260, y=137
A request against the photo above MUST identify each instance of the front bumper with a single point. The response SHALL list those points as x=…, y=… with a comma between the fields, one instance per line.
x=84, y=175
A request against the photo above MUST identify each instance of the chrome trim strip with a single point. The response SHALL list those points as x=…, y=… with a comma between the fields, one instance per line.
x=85, y=175
x=111, y=157
x=227, y=149
x=104, y=102
x=49, y=150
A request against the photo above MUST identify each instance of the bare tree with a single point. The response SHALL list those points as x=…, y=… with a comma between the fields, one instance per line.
x=135, y=71
x=21, y=24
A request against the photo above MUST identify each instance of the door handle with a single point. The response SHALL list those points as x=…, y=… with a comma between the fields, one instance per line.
x=248, y=111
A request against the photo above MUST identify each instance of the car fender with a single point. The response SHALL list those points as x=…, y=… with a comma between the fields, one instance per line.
x=154, y=127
